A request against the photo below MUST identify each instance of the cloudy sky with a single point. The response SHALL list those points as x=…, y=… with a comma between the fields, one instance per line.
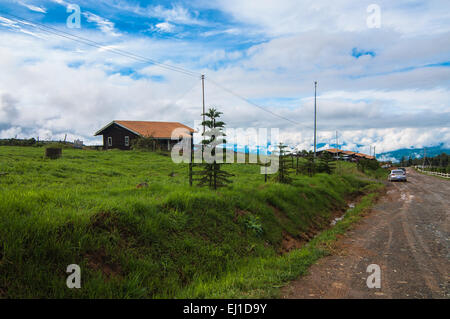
x=385, y=85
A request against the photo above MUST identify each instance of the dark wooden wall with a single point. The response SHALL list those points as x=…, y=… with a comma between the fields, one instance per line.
x=118, y=137
x=118, y=134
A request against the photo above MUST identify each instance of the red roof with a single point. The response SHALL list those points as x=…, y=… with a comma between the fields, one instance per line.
x=364, y=155
x=147, y=128
x=333, y=150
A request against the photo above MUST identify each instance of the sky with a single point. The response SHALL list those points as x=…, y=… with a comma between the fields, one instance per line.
x=382, y=67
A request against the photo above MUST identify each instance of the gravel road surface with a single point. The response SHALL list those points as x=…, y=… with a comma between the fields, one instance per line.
x=407, y=234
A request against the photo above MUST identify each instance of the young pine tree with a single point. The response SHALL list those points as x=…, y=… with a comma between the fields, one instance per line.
x=284, y=163
x=212, y=173
x=327, y=163
x=310, y=165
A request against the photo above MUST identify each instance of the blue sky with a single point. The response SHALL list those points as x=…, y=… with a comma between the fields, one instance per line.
x=386, y=86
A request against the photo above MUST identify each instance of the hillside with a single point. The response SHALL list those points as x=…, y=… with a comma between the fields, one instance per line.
x=166, y=240
x=397, y=155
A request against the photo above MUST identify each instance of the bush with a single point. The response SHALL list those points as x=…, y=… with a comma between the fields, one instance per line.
x=145, y=144
x=18, y=142
x=364, y=164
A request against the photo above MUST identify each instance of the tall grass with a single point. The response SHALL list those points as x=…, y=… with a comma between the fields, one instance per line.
x=167, y=240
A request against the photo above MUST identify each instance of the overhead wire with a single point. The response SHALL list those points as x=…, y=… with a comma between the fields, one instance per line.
x=139, y=58
x=98, y=45
x=252, y=103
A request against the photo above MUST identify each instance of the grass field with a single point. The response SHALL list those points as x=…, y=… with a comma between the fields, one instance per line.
x=168, y=240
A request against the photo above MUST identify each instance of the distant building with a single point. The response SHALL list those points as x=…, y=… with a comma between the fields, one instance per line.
x=362, y=155
x=78, y=144
x=120, y=134
x=348, y=155
x=334, y=151
x=345, y=155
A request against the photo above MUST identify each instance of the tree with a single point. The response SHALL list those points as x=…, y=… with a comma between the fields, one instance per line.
x=364, y=164
x=212, y=173
x=310, y=164
x=326, y=164
x=283, y=165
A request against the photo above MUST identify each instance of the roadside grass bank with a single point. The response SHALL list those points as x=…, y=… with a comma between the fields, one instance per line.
x=350, y=168
x=165, y=240
x=263, y=277
x=425, y=173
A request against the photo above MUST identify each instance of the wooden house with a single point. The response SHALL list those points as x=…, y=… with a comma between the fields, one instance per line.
x=345, y=155
x=120, y=134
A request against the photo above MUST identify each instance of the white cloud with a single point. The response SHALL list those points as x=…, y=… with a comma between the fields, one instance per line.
x=7, y=22
x=284, y=17
x=32, y=7
x=165, y=27
x=230, y=31
x=61, y=2
x=104, y=25
x=12, y=132
x=177, y=13
x=18, y=26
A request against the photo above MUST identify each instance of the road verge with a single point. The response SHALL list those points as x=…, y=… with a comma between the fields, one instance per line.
x=264, y=277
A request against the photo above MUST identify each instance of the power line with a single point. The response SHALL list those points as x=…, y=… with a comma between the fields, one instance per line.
x=136, y=57
x=92, y=43
x=252, y=103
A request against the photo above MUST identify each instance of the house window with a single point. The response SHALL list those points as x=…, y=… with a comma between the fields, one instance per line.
x=127, y=141
x=109, y=141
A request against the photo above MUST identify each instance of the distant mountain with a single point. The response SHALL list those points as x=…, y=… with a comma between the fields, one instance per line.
x=396, y=156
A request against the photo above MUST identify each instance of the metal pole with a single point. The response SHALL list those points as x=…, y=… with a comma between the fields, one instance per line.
x=336, y=141
x=191, y=157
x=203, y=99
x=203, y=114
x=424, y=157
x=315, y=116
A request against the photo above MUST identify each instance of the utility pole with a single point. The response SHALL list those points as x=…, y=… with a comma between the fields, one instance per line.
x=315, y=116
x=203, y=114
x=337, y=145
x=203, y=99
x=374, y=153
x=424, y=157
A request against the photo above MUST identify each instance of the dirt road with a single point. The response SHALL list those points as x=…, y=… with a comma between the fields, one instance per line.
x=407, y=234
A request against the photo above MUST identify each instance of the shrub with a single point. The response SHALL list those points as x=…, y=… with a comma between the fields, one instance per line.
x=145, y=144
x=18, y=142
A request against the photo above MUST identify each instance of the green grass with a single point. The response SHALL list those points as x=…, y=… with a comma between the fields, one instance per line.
x=165, y=241
x=262, y=277
x=424, y=173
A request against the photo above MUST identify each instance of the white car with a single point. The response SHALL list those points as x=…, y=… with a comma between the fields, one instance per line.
x=397, y=175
